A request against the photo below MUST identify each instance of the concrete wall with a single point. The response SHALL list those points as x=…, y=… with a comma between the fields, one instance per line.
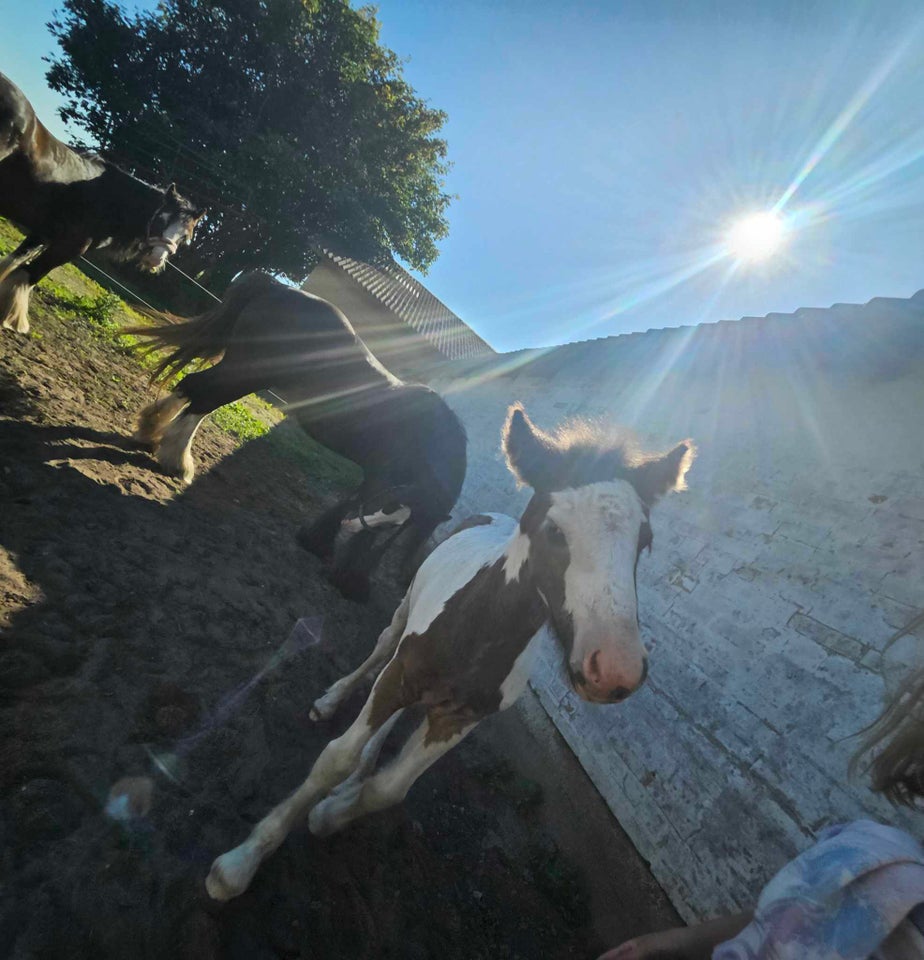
x=774, y=583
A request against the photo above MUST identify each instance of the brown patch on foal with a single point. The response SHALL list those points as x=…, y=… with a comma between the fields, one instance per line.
x=461, y=683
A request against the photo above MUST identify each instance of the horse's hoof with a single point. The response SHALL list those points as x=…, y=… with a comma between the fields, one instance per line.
x=19, y=325
x=308, y=540
x=141, y=442
x=352, y=585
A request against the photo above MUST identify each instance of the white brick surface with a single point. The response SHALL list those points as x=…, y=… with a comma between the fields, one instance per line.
x=773, y=587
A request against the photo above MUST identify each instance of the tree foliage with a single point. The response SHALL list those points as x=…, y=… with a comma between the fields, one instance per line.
x=286, y=118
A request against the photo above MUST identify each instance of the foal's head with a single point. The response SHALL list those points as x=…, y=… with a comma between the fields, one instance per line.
x=172, y=224
x=587, y=525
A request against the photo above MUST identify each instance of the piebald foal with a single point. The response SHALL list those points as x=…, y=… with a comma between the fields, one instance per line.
x=463, y=639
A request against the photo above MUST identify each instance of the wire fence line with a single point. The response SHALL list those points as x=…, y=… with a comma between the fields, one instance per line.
x=117, y=283
x=193, y=280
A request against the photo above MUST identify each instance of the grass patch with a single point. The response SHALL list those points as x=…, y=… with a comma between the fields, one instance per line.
x=236, y=419
x=291, y=443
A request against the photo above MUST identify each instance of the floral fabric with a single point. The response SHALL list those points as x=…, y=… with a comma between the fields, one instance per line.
x=848, y=897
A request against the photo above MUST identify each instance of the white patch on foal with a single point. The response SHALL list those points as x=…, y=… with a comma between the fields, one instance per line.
x=14, y=301
x=454, y=564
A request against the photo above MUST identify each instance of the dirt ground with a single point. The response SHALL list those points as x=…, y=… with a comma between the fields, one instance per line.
x=142, y=631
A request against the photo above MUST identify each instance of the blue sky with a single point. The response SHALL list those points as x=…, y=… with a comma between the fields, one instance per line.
x=601, y=149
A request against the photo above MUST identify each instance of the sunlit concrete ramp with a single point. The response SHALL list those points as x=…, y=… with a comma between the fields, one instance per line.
x=776, y=583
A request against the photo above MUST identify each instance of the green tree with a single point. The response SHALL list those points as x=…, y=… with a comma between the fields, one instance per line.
x=286, y=118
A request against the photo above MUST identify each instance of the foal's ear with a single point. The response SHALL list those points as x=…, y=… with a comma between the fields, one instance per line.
x=171, y=192
x=662, y=475
x=531, y=454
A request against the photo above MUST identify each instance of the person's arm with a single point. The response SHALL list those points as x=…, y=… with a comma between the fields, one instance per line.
x=682, y=943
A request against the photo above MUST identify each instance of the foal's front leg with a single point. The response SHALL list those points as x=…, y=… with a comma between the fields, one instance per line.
x=232, y=872
x=433, y=738
x=325, y=707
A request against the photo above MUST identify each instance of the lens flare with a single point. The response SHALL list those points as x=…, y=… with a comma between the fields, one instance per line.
x=756, y=237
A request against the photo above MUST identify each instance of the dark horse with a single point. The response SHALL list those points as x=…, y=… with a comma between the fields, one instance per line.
x=409, y=444
x=68, y=202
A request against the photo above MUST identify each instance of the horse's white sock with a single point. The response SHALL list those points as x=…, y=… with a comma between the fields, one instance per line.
x=14, y=301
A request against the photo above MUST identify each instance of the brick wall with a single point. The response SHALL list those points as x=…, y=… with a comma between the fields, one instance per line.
x=775, y=581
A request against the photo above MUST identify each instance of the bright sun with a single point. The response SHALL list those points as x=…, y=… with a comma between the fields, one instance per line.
x=756, y=237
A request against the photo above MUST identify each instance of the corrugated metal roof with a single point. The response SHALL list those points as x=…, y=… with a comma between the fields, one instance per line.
x=413, y=303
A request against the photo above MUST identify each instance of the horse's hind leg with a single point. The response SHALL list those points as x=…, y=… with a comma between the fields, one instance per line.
x=194, y=398
x=174, y=452
x=232, y=872
x=415, y=547
x=325, y=707
x=318, y=537
x=156, y=417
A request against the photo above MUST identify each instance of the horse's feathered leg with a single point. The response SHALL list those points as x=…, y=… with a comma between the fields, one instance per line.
x=173, y=425
x=361, y=557
x=414, y=552
x=16, y=286
x=156, y=417
x=318, y=537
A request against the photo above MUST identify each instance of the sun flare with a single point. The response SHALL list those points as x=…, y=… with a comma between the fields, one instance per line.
x=756, y=237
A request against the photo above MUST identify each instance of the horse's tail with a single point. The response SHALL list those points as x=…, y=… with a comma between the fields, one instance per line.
x=203, y=337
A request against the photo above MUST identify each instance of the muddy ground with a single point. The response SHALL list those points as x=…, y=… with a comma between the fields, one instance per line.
x=133, y=615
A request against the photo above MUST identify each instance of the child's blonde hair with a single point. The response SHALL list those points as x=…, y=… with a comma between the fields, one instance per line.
x=892, y=748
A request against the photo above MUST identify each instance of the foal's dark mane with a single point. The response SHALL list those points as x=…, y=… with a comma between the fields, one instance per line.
x=582, y=451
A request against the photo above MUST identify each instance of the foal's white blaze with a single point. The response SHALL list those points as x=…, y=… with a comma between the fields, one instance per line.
x=601, y=523
x=378, y=519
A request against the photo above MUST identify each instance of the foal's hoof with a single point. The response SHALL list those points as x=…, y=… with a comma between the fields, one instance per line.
x=322, y=709
x=309, y=540
x=230, y=875
x=352, y=585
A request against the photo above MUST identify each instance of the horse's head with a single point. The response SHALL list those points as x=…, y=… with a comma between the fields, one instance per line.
x=587, y=525
x=172, y=224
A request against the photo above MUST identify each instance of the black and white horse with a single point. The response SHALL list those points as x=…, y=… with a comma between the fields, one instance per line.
x=68, y=202
x=462, y=641
x=409, y=444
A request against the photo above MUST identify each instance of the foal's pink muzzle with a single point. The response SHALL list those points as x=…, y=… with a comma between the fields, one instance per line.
x=607, y=678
